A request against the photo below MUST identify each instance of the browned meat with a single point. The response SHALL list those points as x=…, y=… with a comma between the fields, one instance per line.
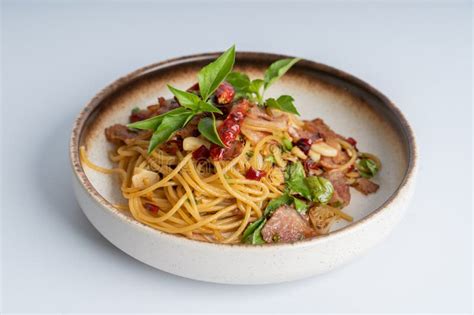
x=319, y=127
x=365, y=186
x=334, y=162
x=191, y=129
x=341, y=195
x=119, y=133
x=163, y=106
x=286, y=226
x=232, y=151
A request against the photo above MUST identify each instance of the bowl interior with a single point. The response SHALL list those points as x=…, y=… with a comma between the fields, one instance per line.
x=347, y=105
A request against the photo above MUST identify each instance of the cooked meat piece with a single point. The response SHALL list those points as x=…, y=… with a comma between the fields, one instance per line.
x=334, y=162
x=285, y=226
x=341, y=189
x=119, y=133
x=318, y=127
x=163, y=106
x=228, y=153
x=365, y=186
x=191, y=129
x=257, y=112
x=173, y=146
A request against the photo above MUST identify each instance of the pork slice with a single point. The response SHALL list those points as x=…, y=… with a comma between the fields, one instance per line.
x=365, y=186
x=334, y=162
x=163, y=106
x=120, y=133
x=341, y=194
x=286, y=225
x=318, y=128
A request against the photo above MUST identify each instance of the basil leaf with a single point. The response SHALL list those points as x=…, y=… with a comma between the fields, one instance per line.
x=153, y=122
x=214, y=73
x=300, y=205
x=278, y=69
x=256, y=87
x=169, y=125
x=321, y=189
x=295, y=180
x=367, y=167
x=207, y=127
x=287, y=145
x=185, y=99
x=240, y=82
x=251, y=228
x=277, y=203
x=257, y=238
x=283, y=103
x=207, y=107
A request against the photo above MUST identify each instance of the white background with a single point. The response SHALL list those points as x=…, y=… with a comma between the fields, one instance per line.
x=55, y=57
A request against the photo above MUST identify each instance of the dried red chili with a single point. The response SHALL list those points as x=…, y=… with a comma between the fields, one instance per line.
x=254, y=174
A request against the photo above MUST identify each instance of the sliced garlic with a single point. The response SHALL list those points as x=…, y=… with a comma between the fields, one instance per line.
x=194, y=143
x=324, y=149
x=143, y=178
x=297, y=151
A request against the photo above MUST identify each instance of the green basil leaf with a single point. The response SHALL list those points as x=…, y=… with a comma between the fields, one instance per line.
x=212, y=75
x=240, y=82
x=169, y=125
x=185, y=99
x=295, y=180
x=257, y=238
x=287, y=145
x=251, y=228
x=207, y=127
x=277, y=203
x=153, y=122
x=283, y=103
x=256, y=87
x=367, y=167
x=300, y=205
x=278, y=69
x=321, y=189
x=207, y=107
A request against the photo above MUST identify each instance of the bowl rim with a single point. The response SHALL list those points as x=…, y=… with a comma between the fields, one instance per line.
x=94, y=103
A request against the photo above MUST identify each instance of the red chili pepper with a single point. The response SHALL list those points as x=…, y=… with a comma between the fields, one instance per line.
x=304, y=144
x=254, y=174
x=152, y=208
x=225, y=93
x=352, y=141
x=230, y=128
x=201, y=153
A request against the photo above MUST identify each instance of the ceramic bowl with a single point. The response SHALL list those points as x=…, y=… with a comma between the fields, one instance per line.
x=350, y=106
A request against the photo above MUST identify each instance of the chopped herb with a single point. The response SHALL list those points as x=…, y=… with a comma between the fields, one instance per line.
x=287, y=145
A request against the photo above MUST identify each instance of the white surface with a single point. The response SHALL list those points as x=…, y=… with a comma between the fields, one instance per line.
x=55, y=58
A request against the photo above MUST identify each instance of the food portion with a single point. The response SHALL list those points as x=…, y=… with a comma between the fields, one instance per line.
x=221, y=163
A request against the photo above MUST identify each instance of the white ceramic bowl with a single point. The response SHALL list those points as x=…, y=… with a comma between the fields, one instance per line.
x=350, y=106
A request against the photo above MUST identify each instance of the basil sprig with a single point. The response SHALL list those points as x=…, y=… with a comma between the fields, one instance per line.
x=165, y=125
x=255, y=89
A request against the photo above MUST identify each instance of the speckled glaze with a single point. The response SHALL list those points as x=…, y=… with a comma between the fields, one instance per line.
x=350, y=106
